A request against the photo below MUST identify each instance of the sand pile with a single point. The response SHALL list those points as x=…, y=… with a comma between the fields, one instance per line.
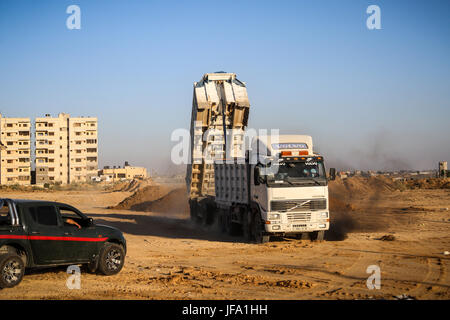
x=130, y=186
x=430, y=183
x=360, y=186
x=157, y=198
x=149, y=193
x=347, y=214
x=175, y=202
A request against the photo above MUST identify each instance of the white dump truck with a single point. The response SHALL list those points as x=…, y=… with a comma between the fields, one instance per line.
x=274, y=185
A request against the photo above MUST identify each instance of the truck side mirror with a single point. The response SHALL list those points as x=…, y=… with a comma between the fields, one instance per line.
x=256, y=176
x=332, y=175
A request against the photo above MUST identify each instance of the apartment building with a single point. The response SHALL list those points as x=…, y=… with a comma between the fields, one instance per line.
x=66, y=149
x=15, y=151
x=127, y=172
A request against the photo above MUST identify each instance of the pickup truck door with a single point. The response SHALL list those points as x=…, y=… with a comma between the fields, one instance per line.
x=83, y=243
x=45, y=234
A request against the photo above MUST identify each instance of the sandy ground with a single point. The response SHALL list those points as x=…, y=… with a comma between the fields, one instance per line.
x=170, y=258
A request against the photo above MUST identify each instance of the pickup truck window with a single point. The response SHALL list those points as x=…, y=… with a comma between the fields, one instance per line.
x=5, y=216
x=68, y=213
x=70, y=217
x=44, y=215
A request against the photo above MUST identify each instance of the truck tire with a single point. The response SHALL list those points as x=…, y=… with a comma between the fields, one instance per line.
x=208, y=215
x=246, y=231
x=111, y=259
x=232, y=228
x=221, y=222
x=12, y=270
x=257, y=229
x=193, y=207
x=318, y=235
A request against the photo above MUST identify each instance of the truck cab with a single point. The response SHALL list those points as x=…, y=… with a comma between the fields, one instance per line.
x=289, y=185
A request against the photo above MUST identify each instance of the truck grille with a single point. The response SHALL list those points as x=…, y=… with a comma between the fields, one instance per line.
x=299, y=205
x=299, y=217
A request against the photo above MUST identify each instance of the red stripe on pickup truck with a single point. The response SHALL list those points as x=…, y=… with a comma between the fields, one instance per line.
x=53, y=238
x=13, y=237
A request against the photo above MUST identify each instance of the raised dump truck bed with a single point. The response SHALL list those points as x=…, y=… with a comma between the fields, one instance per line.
x=220, y=102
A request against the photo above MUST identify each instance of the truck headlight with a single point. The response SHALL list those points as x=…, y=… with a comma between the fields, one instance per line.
x=277, y=227
x=324, y=214
x=274, y=216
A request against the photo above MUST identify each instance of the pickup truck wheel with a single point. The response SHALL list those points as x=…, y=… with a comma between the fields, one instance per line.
x=12, y=270
x=111, y=259
x=318, y=235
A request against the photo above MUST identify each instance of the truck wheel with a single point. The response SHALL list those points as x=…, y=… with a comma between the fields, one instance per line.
x=193, y=208
x=257, y=229
x=208, y=215
x=111, y=259
x=246, y=231
x=231, y=228
x=318, y=235
x=12, y=270
x=262, y=238
x=221, y=222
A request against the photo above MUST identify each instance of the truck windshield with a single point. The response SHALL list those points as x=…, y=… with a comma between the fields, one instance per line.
x=298, y=173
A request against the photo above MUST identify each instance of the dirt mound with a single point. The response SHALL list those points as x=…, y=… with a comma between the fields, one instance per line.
x=360, y=186
x=130, y=186
x=430, y=183
x=175, y=201
x=346, y=213
x=149, y=193
x=387, y=237
x=158, y=198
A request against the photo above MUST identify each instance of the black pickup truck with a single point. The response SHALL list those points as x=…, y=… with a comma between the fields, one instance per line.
x=42, y=233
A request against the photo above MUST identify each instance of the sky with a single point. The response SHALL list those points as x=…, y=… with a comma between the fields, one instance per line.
x=371, y=99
